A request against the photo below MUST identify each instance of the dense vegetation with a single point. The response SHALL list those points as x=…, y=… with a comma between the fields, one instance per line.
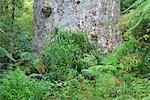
x=70, y=67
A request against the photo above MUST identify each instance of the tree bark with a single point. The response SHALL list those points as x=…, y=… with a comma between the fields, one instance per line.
x=94, y=17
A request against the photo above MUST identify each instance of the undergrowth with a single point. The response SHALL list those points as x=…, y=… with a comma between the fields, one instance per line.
x=72, y=68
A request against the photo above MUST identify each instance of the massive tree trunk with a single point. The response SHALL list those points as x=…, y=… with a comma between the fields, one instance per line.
x=95, y=17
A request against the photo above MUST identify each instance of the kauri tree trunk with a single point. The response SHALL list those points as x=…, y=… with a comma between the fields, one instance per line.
x=94, y=17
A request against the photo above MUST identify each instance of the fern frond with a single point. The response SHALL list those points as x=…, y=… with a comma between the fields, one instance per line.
x=4, y=52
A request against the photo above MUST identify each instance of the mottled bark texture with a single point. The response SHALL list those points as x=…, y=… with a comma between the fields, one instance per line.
x=97, y=18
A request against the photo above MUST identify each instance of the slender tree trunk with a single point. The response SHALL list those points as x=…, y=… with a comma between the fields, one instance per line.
x=1, y=8
x=94, y=17
x=12, y=15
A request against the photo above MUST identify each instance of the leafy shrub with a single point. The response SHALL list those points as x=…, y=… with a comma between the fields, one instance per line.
x=92, y=73
x=65, y=47
x=75, y=66
x=68, y=50
x=21, y=43
x=39, y=65
x=16, y=32
x=132, y=54
x=5, y=38
x=27, y=56
x=16, y=85
x=106, y=85
x=136, y=23
x=126, y=48
x=126, y=4
x=61, y=73
x=33, y=61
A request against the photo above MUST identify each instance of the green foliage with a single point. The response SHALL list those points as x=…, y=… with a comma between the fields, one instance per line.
x=132, y=56
x=92, y=72
x=70, y=67
x=13, y=84
x=137, y=28
x=104, y=86
x=136, y=23
x=61, y=73
x=124, y=49
x=37, y=63
x=126, y=4
x=27, y=56
x=60, y=50
x=16, y=85
x=33, y=61
x=4, y=53
x=16, y=23
x=89, y=60
x=66, y=47
x=68, y=50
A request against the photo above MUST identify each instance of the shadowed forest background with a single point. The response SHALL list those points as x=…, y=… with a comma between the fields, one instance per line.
x=71, y=65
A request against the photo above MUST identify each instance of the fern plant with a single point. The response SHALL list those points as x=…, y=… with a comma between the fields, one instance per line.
x=66, y=48
x=16, y=85
x=5, y=53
